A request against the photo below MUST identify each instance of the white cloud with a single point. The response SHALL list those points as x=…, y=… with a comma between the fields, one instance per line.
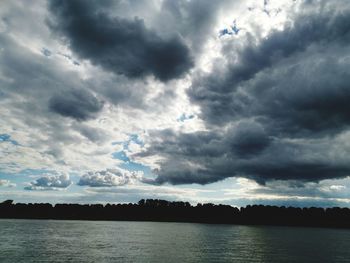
x=110, y=177
x=7, y=183
x=50, y=182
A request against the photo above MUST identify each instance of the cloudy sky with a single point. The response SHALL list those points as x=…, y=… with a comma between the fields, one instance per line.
x=230, y=101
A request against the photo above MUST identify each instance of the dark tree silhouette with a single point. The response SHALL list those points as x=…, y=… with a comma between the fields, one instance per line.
x=165, y=211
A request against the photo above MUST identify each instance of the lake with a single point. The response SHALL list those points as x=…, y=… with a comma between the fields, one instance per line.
x=102, y=241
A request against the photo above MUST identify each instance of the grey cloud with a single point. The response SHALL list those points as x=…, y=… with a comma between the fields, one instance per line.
x=293, y=201
x=195, y=19
x=50, y=182
x=37, y=90
x=325, y=189
x=134, y=193
x=26, y=75
x=78, y=104
x=123, y=46
x=93, y=134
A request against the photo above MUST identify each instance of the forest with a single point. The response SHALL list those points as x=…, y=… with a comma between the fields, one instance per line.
x=166, y=211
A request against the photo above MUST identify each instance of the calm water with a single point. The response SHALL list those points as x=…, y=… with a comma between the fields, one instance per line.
x=87, y=241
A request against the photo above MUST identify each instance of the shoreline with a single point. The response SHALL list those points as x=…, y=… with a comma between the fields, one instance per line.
x=182, y=212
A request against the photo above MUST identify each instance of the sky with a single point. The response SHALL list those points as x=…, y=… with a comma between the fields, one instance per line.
x=229, y=101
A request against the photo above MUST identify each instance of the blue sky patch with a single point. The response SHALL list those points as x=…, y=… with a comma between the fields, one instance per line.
x=232, y=30
x=46, y=52
x=185, y=117
x=7, y=138
x=120, y=156
x=133, y=167
x=132, y=138
x=130, y=165
x=136, y=139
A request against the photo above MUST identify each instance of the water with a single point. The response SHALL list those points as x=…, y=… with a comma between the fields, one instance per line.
x=87, y=241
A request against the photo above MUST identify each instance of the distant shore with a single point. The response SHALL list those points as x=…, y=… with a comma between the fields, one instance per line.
x=165, y=211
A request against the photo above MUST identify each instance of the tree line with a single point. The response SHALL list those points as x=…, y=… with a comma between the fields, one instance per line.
x=166, y=211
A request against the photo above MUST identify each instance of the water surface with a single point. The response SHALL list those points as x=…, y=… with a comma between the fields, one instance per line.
x=96, y=241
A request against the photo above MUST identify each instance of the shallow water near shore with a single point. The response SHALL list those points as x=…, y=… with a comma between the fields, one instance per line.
x=103, y=241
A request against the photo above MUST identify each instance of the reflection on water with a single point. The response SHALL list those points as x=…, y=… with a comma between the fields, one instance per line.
x=87, y=241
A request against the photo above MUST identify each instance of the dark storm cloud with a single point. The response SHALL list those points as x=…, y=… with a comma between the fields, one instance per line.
x=249, y=139
x=275, y=111
x=306, y=99
x=123, y=46
x=303, y=56
x=246, y=151
x=77, y=104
